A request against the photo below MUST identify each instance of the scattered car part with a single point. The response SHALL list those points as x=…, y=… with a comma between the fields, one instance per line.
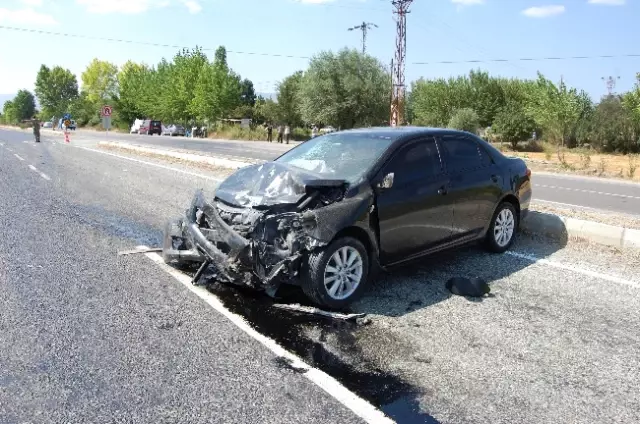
x=316, y=311
x=134, y=251
x=472, y=287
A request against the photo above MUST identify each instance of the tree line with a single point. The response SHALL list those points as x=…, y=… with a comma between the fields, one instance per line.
x=343, y=89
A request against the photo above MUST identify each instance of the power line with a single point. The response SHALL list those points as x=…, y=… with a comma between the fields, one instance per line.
x=144, y=43
x=526, y=59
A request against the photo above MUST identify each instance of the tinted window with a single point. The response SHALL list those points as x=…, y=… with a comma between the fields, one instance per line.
x=417, y=161
x=155, y=123
x=462, y=153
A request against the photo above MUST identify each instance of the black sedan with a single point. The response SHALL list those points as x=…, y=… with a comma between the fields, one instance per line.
x=334, y=210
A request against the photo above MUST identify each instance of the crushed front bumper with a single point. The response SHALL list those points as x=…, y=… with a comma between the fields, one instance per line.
x=203, y=237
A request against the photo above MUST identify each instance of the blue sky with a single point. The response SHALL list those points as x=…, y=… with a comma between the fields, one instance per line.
x=438, y=30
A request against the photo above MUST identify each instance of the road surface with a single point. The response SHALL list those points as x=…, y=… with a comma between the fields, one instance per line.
x=562, y=190
x=90, y=336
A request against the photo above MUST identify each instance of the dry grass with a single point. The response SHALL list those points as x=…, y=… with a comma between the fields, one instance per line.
x=579, y=161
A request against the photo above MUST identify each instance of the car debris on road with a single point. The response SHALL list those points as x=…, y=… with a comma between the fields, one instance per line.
x=317, y=311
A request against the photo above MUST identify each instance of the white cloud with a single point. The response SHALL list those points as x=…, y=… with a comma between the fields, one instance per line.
x=467, y=2
x=25, y=16
x=608, y=2
x=32, y=2
x=314, y=1
x=132, y=7
x=193, y=6
x=543, y=11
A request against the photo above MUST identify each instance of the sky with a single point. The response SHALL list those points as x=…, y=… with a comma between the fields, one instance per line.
x=437, y=31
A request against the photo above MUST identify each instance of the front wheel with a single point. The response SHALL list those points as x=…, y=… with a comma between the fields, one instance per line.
x=502, y=231
x=336, y=275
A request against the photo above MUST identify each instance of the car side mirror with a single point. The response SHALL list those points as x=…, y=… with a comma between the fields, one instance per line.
x=387, y=181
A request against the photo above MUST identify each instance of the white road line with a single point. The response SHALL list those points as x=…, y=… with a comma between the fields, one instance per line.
x=193, y=174
x=330, y=385
x=16, y=155
x=42, y=174
x=583, y=271
x=601, y=193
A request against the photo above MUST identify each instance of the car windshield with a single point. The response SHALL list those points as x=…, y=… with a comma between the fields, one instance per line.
x=345, y=156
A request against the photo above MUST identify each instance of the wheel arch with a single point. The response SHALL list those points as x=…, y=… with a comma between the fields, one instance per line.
x=364, y=237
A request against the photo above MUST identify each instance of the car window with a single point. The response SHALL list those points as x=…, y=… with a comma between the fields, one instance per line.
x=462, y=153
x=415, y=162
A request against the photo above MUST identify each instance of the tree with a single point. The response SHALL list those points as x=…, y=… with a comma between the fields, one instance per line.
x=512, y=124
x=248, y=93
x=613, y=127
x=56, y=88
x=187, y=67
x=345, y=89
x=288, y=94
x=23, y=106
x=265, y=110
x=100, y=82
x=465, y=119
x=8, y=113
x=132, y=83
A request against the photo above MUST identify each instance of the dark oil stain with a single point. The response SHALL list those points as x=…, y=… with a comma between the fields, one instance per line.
x=325, y=344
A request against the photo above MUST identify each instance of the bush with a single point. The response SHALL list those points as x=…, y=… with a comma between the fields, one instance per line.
x=513, y=125
x=466, y=120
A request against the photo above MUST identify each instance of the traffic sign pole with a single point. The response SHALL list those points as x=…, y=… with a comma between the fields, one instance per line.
x=106, y=117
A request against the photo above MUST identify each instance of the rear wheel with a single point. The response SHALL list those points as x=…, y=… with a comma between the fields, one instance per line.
x=502, y=231
x=337, y=275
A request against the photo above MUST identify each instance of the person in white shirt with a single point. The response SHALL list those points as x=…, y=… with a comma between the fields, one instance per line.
x=287, y=133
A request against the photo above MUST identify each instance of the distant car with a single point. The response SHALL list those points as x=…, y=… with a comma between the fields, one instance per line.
x=135, y=128
x=328, y=213
x=174, y=130
x=73, y=125
x=149, y=127
x=47, y=124
x=327, y=130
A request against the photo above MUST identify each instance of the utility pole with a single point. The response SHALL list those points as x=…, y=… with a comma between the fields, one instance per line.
x=400, y=9
x=364, y=27
x=611, y=83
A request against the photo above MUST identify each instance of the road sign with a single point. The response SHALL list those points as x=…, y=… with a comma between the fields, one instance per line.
x=106, y=111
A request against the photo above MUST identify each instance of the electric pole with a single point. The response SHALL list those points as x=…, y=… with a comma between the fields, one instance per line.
x=400, y=9
x=611, y=83
x=364, y=27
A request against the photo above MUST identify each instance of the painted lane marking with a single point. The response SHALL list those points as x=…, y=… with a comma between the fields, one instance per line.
x=42, y=174
x=583, y=271
x=331, y=386
x=157, y=165
x=601, y=193
x=16, y=155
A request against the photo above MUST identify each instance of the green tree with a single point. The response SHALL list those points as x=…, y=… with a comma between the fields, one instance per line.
x=265, y=110
x=465, y=119
x=288, y=95
x=185, y=74
x=56, y=89
x=345, y=89
x=100, y=82
x=512, y=124
x=23, y=106
x=248, y=92
x=8, y=113
x=133, y=79
x=613, y=127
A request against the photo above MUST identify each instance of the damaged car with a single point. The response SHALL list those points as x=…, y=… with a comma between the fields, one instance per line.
x=331, y=212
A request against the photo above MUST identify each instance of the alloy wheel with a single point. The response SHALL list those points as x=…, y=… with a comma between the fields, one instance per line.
x=343, y=273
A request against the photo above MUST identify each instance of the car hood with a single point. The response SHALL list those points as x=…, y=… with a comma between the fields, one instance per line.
x=271, y=183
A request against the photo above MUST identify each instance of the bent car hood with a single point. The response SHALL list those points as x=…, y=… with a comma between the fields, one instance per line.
x=270, y=183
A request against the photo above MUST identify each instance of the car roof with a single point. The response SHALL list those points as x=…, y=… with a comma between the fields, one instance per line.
x=405, y=132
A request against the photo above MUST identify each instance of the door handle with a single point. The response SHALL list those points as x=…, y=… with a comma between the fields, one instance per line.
x=494, y=178
x=442, y=191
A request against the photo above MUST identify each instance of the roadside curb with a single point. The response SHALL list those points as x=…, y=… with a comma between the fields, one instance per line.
x=540, y=223
x=209, y=160
x=564, y=228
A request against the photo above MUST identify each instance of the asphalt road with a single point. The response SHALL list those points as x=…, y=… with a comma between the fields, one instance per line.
x=87, y=336
x=561, y=190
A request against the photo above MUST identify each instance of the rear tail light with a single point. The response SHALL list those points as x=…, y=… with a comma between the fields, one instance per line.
x=528, y=173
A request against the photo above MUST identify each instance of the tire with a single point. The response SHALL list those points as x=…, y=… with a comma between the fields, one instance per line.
x=315, y=268
x=505, y=213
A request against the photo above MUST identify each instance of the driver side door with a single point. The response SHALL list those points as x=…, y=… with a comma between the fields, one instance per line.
x=415, y=213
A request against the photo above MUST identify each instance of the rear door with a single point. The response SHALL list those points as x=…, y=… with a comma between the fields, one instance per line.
x=476, y=183
x=415, y=213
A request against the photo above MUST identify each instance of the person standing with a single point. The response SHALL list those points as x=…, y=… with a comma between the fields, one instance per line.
x=314, y=132
x=280, y=133
x=287, y=133
x=269, y=132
